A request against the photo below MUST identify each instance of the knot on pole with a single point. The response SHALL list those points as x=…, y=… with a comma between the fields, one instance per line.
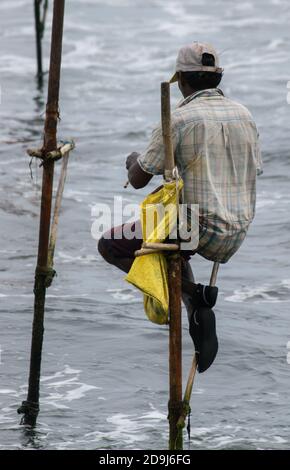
x=30, y=411
x=46, y=273
x=174, y=411
x=184, y=413
x=149, y=248
x=62, y=149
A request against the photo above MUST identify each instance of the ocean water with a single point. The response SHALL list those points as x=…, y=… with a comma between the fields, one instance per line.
x=105, y=367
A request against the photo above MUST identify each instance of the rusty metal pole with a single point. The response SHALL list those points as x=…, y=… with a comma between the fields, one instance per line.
x=174, y=286
x=43, y=273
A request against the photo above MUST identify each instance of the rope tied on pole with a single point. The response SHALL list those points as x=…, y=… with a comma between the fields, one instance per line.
x=28, y=408
x=47, y=272
x=174, y=409
x=62, y=149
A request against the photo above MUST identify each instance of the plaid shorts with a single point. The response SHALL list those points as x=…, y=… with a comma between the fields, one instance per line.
x=120, y=246
x=213, y=246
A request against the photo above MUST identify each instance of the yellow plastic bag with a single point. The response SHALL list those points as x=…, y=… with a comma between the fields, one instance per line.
x=149, y=272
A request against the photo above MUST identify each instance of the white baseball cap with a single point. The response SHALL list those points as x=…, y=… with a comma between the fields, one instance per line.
x=190, y=59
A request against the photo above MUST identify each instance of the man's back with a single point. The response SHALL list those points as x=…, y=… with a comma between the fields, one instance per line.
x=217, y=153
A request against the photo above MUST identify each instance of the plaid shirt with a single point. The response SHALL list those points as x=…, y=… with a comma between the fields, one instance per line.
x=217, y=154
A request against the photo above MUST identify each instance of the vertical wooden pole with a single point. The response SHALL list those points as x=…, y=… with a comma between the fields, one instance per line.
x=43, y=274
x=38, y=36
x=175, y=352
x=192, y=372
x=166, y=131
x=58, y=200
x=174, y=285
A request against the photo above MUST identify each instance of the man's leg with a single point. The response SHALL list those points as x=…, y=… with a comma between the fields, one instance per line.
x=118, y=250
x=187, y=285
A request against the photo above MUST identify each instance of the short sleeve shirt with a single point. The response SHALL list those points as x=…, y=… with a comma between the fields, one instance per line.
x=217, y=153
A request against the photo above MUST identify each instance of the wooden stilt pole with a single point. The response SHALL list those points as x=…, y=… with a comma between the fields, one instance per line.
x=175, y=352
x=174, y=285
x=43, y=273
x=39, y=20
x=38, y=36
x=58, y=201
x=192, y=372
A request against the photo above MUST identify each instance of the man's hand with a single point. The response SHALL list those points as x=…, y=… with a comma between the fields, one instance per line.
x=131, y=159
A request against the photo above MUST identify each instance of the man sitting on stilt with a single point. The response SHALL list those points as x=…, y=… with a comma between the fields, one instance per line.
x=217, y=155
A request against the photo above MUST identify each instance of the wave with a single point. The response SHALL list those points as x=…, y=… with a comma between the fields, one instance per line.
x=264, y=293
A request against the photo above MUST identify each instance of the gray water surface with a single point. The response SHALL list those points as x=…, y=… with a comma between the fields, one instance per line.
x=105, y=366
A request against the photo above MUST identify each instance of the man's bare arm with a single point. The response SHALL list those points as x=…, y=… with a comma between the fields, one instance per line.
x=137, y=177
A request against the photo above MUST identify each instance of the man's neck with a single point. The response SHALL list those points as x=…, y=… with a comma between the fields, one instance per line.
x=188, y=92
